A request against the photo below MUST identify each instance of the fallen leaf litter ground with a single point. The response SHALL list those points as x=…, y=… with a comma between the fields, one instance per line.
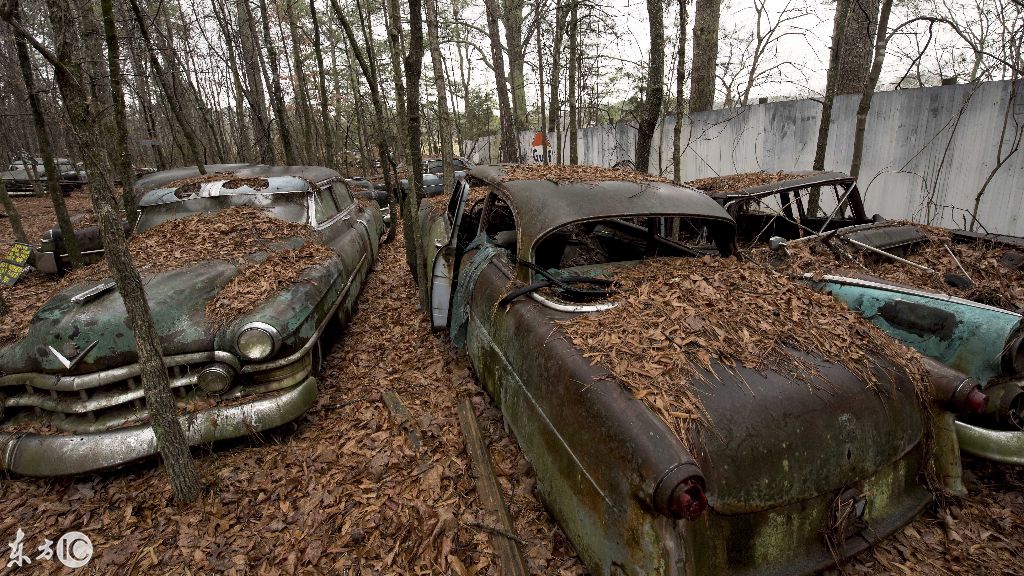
x=340, y=491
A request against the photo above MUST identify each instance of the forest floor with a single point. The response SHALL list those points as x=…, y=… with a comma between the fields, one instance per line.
x=347, y=490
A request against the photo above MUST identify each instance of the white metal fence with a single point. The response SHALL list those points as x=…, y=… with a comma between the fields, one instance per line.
x=928, y=151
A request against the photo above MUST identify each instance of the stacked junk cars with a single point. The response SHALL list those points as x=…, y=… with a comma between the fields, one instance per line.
x=743, y=375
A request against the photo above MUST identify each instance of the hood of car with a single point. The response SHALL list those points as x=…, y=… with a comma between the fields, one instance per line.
x=93, y=333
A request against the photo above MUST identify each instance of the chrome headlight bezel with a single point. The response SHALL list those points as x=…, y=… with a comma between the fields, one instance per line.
x=257, y=350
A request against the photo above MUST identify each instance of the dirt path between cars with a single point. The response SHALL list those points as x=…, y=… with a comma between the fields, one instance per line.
x=344, y=490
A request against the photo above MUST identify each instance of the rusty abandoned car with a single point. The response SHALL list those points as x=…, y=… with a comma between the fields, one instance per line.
x=26, y=176
x=70, y=388
x=953, y=295
x=770, y=469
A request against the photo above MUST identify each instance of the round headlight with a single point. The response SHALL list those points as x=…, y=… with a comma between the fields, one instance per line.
x=257, y=341
x=216, y=378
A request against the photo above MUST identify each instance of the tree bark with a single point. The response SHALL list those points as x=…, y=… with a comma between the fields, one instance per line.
x=831, y=82
x=411, y=202
x=183, y=124
x=509, y=138
x=859, y=38
x=869, y=87
x=122, y=159
x=512, y=18
x=300, y=84
x=254, y=82
x=397, y=54
x=330, y=156
x=677, y=129
x=574, y=62
x=276, y=96
x=705, y=54
x=654, y=94
x=444, y=122
x=555, y=105
x=67, y=230
x=540, y=82
x=84, y=114
x=12, y=214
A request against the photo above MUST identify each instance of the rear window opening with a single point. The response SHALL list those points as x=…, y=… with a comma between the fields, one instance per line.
x=593, y=250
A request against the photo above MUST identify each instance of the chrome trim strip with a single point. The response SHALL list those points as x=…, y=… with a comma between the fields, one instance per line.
x=250, y=368
x=576, y=308
x=48, y=456
x=97, y=379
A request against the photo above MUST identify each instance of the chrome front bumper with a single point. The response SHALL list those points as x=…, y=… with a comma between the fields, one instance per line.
x=60, y=455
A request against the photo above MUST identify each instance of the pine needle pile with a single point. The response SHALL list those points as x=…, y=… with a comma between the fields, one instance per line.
x=678, y=318
x=575, y=173
x=740, y=182
x=993, y=279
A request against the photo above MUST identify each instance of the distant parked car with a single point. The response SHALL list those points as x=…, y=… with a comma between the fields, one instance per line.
x=433, y=181
x=73, y=382
x=779, y=467
x=24, y=175
x=933, y=306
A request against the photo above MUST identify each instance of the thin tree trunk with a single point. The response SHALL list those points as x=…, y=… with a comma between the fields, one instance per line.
x=540, y=83
x=574, y=58
x=276, y=96
x=859, y=37
x=88, y=129
x=12, y=214
x=330, y=156
x=395, y=43
x=411, y=202
x=301, y=91
x=869, y=87
x=183, y=124
x=838, y=39
x=509, y=138
x=555, y=105
x=512, y=18
x=650, y=110
x=444, y=122
x=705, y=54
x=67, y=230
x=123, y=157
x=677, y=129
x=254, y=81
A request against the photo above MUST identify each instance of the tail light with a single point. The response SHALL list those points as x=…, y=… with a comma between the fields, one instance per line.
x=680, y=493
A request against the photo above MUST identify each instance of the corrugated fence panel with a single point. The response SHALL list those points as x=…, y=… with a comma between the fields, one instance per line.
x=928, y=151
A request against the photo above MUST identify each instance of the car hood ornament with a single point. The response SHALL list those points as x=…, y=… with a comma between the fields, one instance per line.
x=70, y=363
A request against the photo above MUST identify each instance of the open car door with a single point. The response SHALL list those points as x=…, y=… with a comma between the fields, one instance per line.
x=442, y=261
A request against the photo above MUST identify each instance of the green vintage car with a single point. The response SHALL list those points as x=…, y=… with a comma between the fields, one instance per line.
x=70, y=391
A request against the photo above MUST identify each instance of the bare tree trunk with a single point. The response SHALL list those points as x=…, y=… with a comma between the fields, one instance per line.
x=330, y=156
x=300, y=84
x=831, y=86
x=869, y=87
x=411, y=202
x=859, y=38
x=276, y=96
x=67, y=230
x=555, y=105
x=444, y=122
x=540, y=82
x=509, y=138
x=12, y=214
x=183, y=124
x=650, y=110
x=395, y=43
x=574, y=61
x=146, y=103
x=705, y=54
x=85, y=116
x=512, y=18
x=254, y=81
x=123, y=157
x=677, y=129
